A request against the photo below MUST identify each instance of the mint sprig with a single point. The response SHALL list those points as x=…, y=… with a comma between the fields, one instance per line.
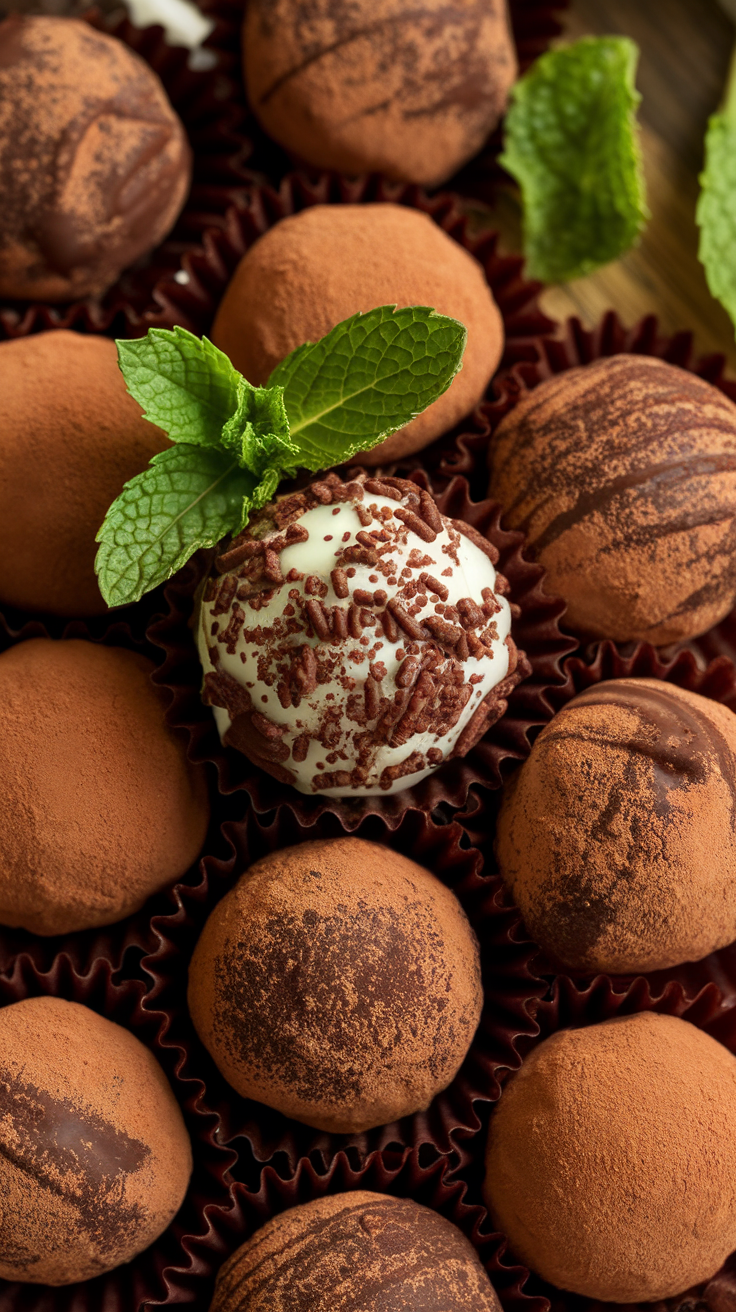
x=572, y=144
x=716, y=211
x=234, y=442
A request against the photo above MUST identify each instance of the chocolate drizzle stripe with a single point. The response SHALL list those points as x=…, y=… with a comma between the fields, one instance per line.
x=657, y=477
x=665, y=712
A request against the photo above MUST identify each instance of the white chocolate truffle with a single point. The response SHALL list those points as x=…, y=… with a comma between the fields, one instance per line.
x=354, y=638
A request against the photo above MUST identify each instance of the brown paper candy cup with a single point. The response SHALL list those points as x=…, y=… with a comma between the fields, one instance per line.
x=209, y=268
x=211, y=106
x=511, y=989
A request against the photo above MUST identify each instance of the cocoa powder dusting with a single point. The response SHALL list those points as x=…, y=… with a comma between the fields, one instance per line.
x=94, y=1155
x=617, y=836
x=611, y=1162
x=355, y=1251
x=71, y=430
x=622, y=473
x=408, y=91
x=314, y=269
x=338, y=982
x=101, y=808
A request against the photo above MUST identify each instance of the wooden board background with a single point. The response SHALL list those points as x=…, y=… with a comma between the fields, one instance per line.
x=686, y=48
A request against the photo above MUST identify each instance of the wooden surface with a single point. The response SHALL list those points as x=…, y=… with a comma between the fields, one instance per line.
x=686, y=47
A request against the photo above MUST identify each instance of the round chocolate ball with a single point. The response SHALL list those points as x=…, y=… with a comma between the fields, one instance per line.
x=339, y=983
x=95, y=1158
x=71, y=437
x=603, y=832
x=374, y=86
x=316, y=268
x=101, y=807
x=94, y=163
x=337, y=686
x=611, y=1162
x=356, y=1252
x=622, y=473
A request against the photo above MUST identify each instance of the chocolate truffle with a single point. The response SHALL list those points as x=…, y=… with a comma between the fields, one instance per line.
x=319, y=267
x=338, y=982
x=95, y=1158
x=617, y=836
x=612, y=1159
x=71, y=436
x=622, y=473
x=355, y=1252
x=354, y=638
x=94, y=163
x=100, y=805
x=376, y=86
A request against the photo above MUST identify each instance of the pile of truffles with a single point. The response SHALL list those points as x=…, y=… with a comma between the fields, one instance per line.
x=353, y=638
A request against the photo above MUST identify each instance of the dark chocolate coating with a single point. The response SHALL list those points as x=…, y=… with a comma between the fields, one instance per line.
x=356, y=1252
x=94, y=163
x=362, y=86
x=618, y=835
x=622, y=473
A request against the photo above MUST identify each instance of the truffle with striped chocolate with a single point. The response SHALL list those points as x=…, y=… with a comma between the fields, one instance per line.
x=353, y=638
x=354, y=1252
x=622, y=473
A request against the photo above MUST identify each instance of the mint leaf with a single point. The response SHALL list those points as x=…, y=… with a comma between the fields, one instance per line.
x=325, y=402
x=258, y=432
x=716, y=211
x=369, y=376
x=188, y=497
x=183, y=383
x=572, y=144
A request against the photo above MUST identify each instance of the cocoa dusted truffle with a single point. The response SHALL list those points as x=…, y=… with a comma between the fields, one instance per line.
x=316, y=268
x=353, y=1253
x=100, y=806
x=376, y=86
x=622, y=473
x=338, y=982
x=95, y=1158
x=612, y=1159
x=94, y=163
x=353, y=638
x=603, y=832
x=70, y=437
